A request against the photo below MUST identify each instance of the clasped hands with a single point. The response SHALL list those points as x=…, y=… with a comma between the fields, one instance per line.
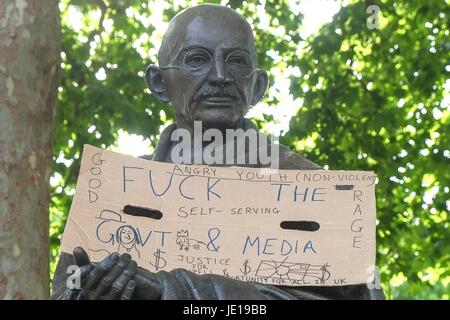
x=115, y=277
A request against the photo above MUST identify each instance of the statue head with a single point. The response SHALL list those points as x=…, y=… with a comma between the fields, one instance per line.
x=208, y=67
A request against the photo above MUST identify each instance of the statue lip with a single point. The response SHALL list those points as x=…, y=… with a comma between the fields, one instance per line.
x=219, y=99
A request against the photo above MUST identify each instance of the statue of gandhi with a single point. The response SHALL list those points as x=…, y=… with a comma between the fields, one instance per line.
x=208, y=71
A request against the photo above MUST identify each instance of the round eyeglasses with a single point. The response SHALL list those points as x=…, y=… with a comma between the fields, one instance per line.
x=199, y=62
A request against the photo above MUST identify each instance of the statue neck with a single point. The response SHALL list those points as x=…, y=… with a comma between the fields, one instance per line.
x=189, y=125
x=165, y=144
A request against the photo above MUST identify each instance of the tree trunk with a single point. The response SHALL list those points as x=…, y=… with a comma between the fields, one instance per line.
x=29, y=64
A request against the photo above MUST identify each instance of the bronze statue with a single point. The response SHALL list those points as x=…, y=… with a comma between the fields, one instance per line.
x=208, y=71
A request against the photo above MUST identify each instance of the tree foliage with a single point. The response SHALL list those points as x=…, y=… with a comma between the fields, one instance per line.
x=377, y=99
x=369, y=99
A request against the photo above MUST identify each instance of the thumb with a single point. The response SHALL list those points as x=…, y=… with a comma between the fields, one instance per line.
x=80, y=256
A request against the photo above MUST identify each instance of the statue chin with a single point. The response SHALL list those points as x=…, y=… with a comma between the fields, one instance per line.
x=218, y=118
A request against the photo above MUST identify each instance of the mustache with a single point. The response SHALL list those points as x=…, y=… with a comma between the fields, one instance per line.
x=207, y=91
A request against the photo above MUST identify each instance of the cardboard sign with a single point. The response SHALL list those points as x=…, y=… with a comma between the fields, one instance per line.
x=280, y=227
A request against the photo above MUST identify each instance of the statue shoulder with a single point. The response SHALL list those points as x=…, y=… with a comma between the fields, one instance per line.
x=288, y=160
x=292, y=160
x=147, y=156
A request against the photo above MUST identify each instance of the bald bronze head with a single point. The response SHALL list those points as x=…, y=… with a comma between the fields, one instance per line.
x=208, y=67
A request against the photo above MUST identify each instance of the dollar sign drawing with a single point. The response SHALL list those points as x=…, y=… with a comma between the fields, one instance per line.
x=160, y=262
x=325, y=273
x=247, y=268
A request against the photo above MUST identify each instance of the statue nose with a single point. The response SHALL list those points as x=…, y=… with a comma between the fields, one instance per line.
x=219, y=74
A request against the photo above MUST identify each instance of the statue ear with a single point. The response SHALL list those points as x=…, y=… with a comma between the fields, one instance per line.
x=260, y=87
x=155, y=83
